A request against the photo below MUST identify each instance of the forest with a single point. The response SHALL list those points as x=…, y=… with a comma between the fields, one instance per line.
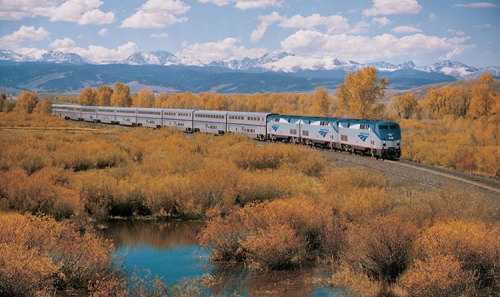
x=271, y=207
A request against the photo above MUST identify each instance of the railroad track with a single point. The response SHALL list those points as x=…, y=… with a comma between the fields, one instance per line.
x=477, y=181
x=370, y=163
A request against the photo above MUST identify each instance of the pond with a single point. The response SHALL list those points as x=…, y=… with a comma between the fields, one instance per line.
x=170, y=249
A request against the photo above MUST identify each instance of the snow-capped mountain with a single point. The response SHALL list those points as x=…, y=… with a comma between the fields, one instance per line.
x=11, y=56
x=273, y=62
x=62, y=58
x=152, y=58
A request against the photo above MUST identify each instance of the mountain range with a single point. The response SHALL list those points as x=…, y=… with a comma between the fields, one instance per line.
x=163, y=71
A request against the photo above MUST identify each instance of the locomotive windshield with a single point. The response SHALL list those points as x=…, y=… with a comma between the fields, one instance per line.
x=389, y=131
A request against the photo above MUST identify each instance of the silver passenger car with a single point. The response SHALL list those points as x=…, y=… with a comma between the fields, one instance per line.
x=251, y=123
x=126, y=116
x=106, y=115
x=180, y=118
x=210, y=121
x=149, y=117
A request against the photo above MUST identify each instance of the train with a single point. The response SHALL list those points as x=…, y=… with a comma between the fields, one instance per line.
x=379, y=139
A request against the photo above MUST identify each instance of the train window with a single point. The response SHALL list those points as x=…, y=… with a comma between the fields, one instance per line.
x=305, y=133
x=276, y=119
x=382, y=127
x=343, y=137
x=395, y=127
x=293, y=131
x=323, y=123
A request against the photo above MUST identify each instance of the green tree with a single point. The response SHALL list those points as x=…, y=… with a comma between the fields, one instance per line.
x=360, y=92
x=26, y=102
x=321, y=102
x=121, y=95
x=104, y=95
x=88, y=97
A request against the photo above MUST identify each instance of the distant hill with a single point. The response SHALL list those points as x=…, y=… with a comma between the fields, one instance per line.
x=422, y=91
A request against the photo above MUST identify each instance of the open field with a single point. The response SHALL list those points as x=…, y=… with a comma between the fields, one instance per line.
x=277, y=206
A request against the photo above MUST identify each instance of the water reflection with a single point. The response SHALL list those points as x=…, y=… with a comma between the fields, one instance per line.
x=171, y=250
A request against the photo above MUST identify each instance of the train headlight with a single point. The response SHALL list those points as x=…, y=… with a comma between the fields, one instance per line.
x=384, y=143
x=397, y=142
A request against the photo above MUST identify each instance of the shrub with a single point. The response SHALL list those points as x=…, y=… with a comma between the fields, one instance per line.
x=41, y=256
x=437, y=276
x=473, y=244
x=275, y=247
x=382, y=247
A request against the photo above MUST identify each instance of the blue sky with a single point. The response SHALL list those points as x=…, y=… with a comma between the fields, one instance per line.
x=423, y=31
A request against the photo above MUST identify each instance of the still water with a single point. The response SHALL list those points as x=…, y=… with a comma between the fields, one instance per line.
x=171, y=251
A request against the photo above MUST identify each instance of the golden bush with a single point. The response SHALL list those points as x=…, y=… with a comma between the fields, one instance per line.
x=437, y=276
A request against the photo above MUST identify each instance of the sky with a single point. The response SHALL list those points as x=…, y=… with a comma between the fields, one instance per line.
x=396, y=31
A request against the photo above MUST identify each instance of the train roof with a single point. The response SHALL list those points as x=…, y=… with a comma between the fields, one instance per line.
x=240, y=113
x=179, y=110
x=211, y=112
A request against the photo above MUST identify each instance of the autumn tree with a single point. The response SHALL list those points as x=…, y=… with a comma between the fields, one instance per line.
x=447, y=101
x=405, y=105
x=88, y=97
x=484, y=98
x=146, y=98
x=321, y=102
x=161, y=100
x=104, y=95
x=45, y=106
x=3, y=102
x=360, y=92
x=26, y=102
x=121, y=95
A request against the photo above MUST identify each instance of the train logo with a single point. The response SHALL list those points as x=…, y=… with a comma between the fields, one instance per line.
x=275, y=127
x=323, y=132
x=363, y=136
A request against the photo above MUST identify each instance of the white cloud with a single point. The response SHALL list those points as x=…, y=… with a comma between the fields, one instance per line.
x=383, y=21
x=99, y=54
x=246, y=4
x=160, y=35
x=456, y=32
x=103, y=32
x=483, y=26
x=83, y=12
x=33, y=54
x=478, y=5
x=405, y=29
x=385, y=7
x=24, y=33
x=363, y=48
x=432, y=17
x=62, y=43
x=333, y=23
x=157, y=14
x=265, y=21
x=221, y=50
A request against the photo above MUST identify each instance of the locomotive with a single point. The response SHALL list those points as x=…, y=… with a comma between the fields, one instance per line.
x=380, y=139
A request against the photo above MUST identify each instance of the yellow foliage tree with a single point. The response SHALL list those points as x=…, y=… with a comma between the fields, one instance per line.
x=121, y=95
x=146, y=98
x=104, y=95
x=321, y=102
x=484, y=98
x=360, y=92
x=88, y=97
x=405, y=105
x=3, y=102
x=447, y=101
x=161, y=100
x=45, y=106
x=26, y=102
